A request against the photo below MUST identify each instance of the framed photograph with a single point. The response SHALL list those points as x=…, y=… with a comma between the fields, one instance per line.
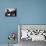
x=32, y=32
x=10, y=12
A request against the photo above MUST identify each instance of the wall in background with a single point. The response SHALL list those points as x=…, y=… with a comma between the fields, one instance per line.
x=28, y=12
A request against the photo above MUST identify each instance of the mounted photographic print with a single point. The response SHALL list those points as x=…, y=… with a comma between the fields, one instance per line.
x=10, y=12
x=32, y=32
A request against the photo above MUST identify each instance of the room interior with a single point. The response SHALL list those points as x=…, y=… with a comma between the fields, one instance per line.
x=28, y=12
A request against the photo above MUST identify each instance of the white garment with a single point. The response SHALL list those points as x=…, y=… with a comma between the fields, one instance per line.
x=37, y=37
x=24, y=33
